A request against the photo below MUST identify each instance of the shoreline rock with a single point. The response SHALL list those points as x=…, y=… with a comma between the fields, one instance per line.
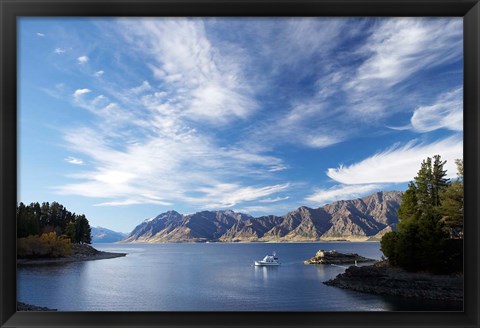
x=382, y=279
x=334, y=257
x=28, y=307
x=81, y=252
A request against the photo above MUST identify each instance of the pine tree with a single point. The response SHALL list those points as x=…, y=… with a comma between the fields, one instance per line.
x=409, y=210
x=439, y=180
x=421, y=242
x=451, y=207
x=82, y=230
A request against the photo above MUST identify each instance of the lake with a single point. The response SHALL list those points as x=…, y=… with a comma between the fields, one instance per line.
x=206, y=277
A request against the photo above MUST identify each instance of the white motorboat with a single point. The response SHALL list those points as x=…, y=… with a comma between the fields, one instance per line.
x=268, y=260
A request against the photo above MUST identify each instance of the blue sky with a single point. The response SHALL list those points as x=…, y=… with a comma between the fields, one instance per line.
x=123, y=119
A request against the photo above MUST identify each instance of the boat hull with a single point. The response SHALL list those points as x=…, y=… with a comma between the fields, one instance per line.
x=260, y=263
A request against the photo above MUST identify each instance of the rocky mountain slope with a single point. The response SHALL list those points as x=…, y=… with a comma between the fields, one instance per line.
x=360, y=219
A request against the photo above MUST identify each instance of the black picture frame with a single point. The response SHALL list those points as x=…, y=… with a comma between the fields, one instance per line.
x=10, y=10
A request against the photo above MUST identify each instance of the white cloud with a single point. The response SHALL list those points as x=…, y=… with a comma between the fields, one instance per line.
x=267, y=210
x=342, y=192
x=98, y=73
x=206, y=84
x=322, y=141
x=170, y=163
x=59, y=51
x=293, y=41
x=273, y=200
x=145, y=86
x=127, y=202
x=399, y=47
x=446, y=112
x=228, y=195
x=99, y=100
x=360, y=89
x=399, y=163
x=74, y=160
x=40, y=35
x=82, y=59
x=277, y=168
x=147, y=144
x=80, y=92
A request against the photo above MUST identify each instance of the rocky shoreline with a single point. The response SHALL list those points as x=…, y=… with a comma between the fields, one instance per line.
x=385, y=280
x=81, y=252
x=28, y=307
x=334, y=257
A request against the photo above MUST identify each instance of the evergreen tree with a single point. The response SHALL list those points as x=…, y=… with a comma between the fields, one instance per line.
x=409, y=210
x=459, y=163
x=82, y=230
x=439, y=180
x=451, y=207
x=70, y=231
x=421, y=242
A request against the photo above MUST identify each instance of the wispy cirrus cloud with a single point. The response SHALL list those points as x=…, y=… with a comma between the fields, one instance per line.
x=395, y=52
x=132, y=201
x=342, y=192
x=400, y=47
x=40, y=34
x=74, y=160
x=144, y=153
x=399, y=163
x=169, y=167
x=207, y=85
x=273, y=200
x=80, y=92
x=145, y=86
x=59, y=51
x=229, y=195
x=129, y=167
x=99, y=73
x=446, y=112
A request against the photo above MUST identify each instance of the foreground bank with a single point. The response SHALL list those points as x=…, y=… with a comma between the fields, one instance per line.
x=28, y=307
x=382, y=279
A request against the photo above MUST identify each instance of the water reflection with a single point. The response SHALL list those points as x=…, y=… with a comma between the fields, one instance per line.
x=266, y=272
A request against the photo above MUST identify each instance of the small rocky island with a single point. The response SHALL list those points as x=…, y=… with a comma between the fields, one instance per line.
x=334, y=257
x=81, y=252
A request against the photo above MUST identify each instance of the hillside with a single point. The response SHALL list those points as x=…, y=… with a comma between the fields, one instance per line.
x=355, y=220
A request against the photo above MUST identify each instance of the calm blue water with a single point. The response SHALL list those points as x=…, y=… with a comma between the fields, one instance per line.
x=205, y=277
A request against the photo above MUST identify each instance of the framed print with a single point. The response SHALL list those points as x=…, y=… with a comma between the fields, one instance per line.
x=216, y=163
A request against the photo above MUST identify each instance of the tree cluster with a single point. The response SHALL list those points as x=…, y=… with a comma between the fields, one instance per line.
x=430, y=229
x=36, y=219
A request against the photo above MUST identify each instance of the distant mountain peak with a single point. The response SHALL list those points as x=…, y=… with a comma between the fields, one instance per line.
x=168, y=214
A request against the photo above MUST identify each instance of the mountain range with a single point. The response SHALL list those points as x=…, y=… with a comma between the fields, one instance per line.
x=360, y=219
